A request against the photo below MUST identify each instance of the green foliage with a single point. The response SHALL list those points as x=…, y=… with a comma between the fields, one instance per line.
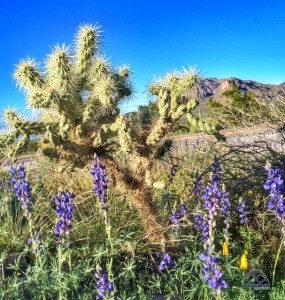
x=238, y=107
x=144, y=117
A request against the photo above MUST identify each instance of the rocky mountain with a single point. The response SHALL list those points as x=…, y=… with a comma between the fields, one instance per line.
x=213, y=87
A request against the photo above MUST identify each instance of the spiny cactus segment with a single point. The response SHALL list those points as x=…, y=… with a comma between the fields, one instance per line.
x=178, y=95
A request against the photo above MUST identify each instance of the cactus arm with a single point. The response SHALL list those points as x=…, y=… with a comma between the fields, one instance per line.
x=119, y=132
x=202, y=125
x=103, y=135
x=8, y=138
x=127, y=138
x=89, y=111
x=177, y=95
x=28, y=76
x=60, y=71
x=87, y=43
x=41, y=99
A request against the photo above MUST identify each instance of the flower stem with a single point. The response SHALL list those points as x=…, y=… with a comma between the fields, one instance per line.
x=276, y=259
x=108, y=231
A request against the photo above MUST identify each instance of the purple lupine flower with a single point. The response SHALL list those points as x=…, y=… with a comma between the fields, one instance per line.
x=104, y=286
x=201, y=225
x=274, y=183
x=216, y=171
x=212, y=195
x=177, y=215
x=64, y=211
x=212, y=272
x=166, y=261
x=197, y=186
x=186, y=144
x=100, y=182
x=243, y=210
x=225, y=205
x=276, y=201
x=214, y=198
x=19, y=184
x=225, y=209
x=196, y=144
x=184, y=210
x=175, y=218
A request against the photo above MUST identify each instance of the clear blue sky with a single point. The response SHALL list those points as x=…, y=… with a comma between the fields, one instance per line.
x=239, y=38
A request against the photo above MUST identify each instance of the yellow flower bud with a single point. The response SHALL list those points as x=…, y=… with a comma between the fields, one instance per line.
x=244, y=265
x=225, y=248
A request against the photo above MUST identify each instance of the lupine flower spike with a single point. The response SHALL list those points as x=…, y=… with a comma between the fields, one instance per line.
x=100, y=188
x=201, y=225
x=64, y=211
x=104, y=286
x=276, y=201
x=21, y=187
x=212, y=273
x=179, y=214
x=243, y=211
x=19, y=184
x=100, y=182
x=213, y=197
x=166, y=260
x=175, y=218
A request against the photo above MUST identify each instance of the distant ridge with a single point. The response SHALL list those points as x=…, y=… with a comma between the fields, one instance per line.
x=213, y=87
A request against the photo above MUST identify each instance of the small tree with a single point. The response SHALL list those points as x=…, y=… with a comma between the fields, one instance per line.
x=240, y=107
x=79, y=93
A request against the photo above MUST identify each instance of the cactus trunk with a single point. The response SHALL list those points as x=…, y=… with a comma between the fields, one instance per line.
x=140, y=197
x=142, y=200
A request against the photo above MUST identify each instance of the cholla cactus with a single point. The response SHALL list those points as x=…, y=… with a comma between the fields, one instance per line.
x=79, y=94
x=178, y=95
x=13, y=142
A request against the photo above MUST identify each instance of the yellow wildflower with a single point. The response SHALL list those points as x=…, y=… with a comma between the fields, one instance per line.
x=225, y=248
x=244, y=265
